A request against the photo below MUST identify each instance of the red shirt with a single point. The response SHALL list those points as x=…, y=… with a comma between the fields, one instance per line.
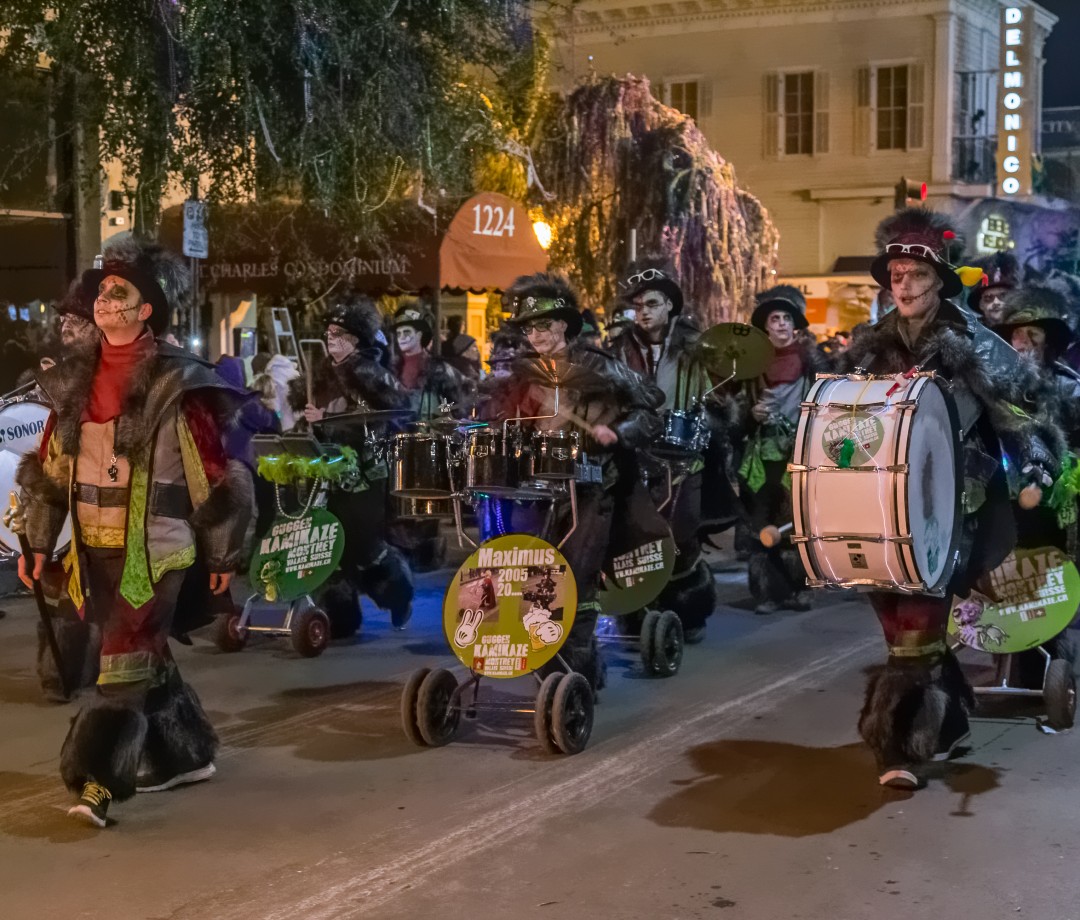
x=112, y=379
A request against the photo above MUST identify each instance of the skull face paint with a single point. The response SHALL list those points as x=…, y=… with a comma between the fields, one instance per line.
x=914, y=286
x=119, y=309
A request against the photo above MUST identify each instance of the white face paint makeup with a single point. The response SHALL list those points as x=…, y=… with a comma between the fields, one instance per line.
x=119, y=310
x=409, y=340
x=914, y=286
x=547, y=336
x=992, y=306
x=339, y=343
x=781, y=328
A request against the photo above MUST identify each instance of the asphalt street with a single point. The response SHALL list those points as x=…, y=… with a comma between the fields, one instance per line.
x=736, y=790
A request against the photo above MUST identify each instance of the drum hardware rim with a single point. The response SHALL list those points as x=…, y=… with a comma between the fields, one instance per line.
x=900, y=540
x=902, y=469
x=874, y=583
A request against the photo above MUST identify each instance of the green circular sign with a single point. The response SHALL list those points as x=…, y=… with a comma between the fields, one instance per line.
x=297, y=556
x=509, y=608
x=1026, y=601
x=863, y=430
x=637, y=576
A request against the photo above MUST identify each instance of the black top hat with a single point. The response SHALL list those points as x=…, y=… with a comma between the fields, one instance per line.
x=544, y=296
x=78, y=301
x=652, y=273
x=919, y=234
x=162, y=279
x=1044, y=307
x=781, y=297
x=413, y=315
x=359, y=317
x=1001, y=270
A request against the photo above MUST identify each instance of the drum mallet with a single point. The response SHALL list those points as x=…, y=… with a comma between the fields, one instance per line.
x=1030, y=496
x=16, y=521
x=772, y=535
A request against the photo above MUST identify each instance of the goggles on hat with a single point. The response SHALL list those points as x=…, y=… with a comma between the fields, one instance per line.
x=649, y=274
x=913, y=249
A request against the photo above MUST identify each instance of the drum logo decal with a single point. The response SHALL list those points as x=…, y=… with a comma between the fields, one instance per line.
x=862, y=428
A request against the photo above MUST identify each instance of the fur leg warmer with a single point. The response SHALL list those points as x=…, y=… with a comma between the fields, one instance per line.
x=775, y=575
x=80, y=650
x=341, y=602
x=388, y=582
x=907, y=703
x=105, y=742
x=179, y=736
x=691, y=594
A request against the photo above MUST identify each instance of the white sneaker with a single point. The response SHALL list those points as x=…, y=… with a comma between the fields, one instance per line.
x=899, y=778
x=156, y=784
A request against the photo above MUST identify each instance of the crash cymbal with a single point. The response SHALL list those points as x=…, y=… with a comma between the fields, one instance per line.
x=345, y=421
x=734, y=350
x=445, y=424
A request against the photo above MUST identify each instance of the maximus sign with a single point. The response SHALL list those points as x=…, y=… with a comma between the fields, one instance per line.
x=1016, y=107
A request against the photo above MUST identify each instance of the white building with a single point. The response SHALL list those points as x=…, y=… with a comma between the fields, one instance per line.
x=821, y=105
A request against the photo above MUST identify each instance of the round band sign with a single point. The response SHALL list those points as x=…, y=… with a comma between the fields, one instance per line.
x=297, y=556
x=1024, y=602
x=509, y=608
x=638, y=576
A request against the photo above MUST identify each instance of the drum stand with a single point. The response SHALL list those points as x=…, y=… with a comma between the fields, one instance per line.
x=1058, y=689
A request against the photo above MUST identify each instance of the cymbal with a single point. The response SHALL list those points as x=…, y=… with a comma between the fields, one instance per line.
x=443, y=423
x=352, y=420
x=734, y=350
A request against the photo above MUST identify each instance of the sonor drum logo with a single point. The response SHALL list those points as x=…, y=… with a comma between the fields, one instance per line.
x=19, y=432
x=864, y=430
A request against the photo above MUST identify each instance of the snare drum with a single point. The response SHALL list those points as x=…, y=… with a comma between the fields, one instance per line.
x=422, y=509
x=496, y=462
x=21, y=427
x=686, y=432
x=420, y=465
x=555, y=454
x=876, y=484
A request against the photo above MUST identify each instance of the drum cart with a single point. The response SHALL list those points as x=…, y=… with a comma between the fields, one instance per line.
x=434, y=701
x=300, y=620
x=1058, y=691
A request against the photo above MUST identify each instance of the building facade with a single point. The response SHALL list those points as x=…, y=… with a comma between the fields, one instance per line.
x=821, y=105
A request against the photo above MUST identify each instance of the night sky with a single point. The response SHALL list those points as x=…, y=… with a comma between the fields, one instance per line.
x=1061, y=77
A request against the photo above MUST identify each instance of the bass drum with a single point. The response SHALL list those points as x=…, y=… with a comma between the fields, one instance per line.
x=21, y=427
x=876, y=484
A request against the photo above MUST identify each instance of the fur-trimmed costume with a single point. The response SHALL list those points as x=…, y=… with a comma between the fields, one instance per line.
x=148, y=489
x=368, y=564
x=596, y=389
x=916, y=706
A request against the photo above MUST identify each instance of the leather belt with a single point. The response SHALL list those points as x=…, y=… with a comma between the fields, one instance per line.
x=102, y=496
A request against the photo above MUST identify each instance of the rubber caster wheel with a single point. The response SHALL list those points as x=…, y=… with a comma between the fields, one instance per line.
x=572, y=713
x=228, y=636
x=542, y=718
x=310, y=633
x=437, y=713
x=1059, y=692
x=648, y=639
x=410, y=698
x=667, y=645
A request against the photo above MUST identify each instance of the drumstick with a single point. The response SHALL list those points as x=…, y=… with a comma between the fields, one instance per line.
x=770, y=536
x=307, y=376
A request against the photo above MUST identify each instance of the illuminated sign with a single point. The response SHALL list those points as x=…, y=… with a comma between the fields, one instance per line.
x=1015, y=107
x=993, y=235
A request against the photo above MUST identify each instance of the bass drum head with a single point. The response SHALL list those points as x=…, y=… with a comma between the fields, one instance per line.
x=932, y=485
x=21, y=427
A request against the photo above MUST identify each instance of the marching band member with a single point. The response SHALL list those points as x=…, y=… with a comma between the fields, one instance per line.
x=352, y=377
x=430, y=381
x=613, y=407
x=769, y=413
x=660, y=346
x=917, y=705
x=134, y=448
x=1001, y=274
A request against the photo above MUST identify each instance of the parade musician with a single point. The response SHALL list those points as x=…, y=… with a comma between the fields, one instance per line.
x=612, y=407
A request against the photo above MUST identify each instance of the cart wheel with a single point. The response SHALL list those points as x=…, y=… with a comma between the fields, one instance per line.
x=311, y=633
x=545, y=697
x=437, y=713
x=1059, y=692
x=572, y=713
x=227, y=633
x=667, y=645
x=648, y=632
x=409, y=699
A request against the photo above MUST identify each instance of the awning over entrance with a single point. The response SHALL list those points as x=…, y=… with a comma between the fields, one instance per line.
x=489, y=243
x=33, y=258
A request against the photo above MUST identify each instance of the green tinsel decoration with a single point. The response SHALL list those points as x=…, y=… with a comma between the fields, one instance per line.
x=288, y=469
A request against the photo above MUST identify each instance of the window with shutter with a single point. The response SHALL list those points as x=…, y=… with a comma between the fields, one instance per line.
x=916, y=107
x=771, y=108
x=864, y=111
x=821, y=113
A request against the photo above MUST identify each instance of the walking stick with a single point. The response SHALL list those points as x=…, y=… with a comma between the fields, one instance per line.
x=15, y=520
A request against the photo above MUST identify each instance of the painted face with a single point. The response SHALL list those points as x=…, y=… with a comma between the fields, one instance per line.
x=992, y=306
x=76, y=332
x=339, y=343
x=781, y=328
x=547, y=336
x=119, y=306
x=408, y=340
x=652, y=310
x=1030, y=342
x=472, y=353
x=915, y=287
